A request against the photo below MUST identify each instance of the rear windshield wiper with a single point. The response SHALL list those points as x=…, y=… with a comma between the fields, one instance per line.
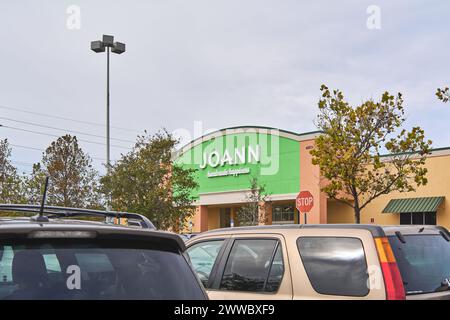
x=445, y=235
x=445, y=286
x=400, y=236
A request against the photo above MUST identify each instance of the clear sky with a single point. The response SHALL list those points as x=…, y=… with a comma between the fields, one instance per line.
x=218, y=63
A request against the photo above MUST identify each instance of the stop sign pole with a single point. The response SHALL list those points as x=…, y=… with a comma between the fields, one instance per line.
x=304, y=203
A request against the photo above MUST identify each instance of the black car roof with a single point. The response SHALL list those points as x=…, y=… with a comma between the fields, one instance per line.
x=11, y=227
x=43, y=212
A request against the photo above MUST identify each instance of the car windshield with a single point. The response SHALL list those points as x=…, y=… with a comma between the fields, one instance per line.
x=424, y=262
x=94, y=270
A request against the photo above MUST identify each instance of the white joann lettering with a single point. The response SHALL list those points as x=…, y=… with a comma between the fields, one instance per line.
x=240, y=156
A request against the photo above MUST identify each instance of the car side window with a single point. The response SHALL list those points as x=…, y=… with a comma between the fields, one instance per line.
x=254, y=265
x=335, y=265
x=203, y=256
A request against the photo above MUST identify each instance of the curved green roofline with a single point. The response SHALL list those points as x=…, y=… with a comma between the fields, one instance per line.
x=213, y=134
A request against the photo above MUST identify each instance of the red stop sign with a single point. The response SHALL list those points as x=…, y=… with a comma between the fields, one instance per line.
x=304, y=201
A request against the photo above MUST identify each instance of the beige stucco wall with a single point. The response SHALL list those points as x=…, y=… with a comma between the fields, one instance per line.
x=339, y=212
x=213, y=218
x=438, y=185
x=200, y=219
x=310, y=181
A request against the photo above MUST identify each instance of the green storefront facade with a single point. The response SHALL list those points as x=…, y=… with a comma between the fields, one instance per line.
x=225, y=162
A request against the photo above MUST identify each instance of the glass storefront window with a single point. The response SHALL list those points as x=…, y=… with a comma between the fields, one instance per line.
x=418, y=218
x=283, y=214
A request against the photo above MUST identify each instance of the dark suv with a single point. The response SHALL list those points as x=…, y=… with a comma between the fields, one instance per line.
x=54, y=256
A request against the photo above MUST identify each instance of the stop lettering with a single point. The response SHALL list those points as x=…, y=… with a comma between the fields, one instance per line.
x=304, y=201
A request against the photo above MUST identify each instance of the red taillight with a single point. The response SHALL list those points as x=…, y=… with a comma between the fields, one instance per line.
x=392, y=279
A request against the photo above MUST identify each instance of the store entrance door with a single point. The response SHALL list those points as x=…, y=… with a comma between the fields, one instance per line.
x=225, y=217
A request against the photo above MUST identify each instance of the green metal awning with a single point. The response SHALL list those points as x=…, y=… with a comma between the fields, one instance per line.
x=429, y=204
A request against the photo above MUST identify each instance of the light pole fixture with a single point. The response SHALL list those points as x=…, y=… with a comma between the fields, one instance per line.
x=107, y=43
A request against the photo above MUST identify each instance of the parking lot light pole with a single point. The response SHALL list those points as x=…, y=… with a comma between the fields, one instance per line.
x=107, y=44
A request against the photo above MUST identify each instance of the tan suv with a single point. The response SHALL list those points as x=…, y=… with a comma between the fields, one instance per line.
x=323, y=262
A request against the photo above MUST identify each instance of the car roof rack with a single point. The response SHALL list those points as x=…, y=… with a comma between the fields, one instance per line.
x=65, y=212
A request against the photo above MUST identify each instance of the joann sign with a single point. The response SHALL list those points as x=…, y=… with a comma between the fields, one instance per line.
x=236, y=150
x=241, y=155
